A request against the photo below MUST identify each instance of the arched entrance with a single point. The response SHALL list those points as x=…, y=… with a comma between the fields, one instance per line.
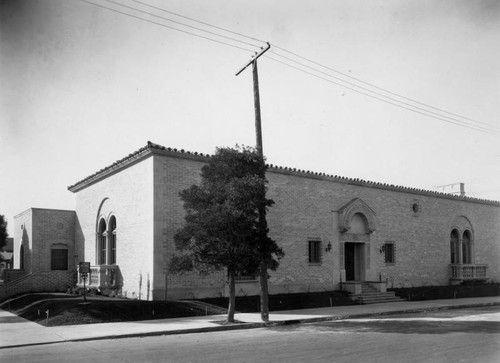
x=356, y=224
x=354, y=257
x=462, y=253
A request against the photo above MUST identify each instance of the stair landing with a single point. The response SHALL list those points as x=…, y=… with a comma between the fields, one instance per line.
x=370, y=295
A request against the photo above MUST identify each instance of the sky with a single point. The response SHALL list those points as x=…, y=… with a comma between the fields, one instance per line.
x=82, y=86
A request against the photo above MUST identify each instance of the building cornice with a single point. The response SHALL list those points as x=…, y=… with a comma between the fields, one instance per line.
x=133, y=158
x=152, y=148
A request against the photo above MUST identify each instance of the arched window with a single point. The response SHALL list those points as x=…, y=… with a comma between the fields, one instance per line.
x=112, y=240
x=101, y=243
x=454, y=246
x=466, y=248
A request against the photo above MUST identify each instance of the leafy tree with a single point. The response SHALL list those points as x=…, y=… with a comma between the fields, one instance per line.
x=222, y=223
x=3, y=231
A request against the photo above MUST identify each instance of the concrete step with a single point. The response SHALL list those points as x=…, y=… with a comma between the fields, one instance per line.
x=374, y=300
x=374, y=296
x=368, y=288
x=370, y=295
x=376, y=293
x=366, y=302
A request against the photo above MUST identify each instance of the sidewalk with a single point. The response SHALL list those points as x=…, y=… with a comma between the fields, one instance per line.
x=18, y=332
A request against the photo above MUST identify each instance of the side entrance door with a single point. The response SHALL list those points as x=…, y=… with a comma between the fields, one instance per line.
x=350, y=271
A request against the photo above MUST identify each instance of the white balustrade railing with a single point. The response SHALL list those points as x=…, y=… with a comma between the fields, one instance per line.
x=468, y=271
x=101, y=276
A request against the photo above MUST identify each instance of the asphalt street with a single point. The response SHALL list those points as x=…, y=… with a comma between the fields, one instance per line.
x=465, y=335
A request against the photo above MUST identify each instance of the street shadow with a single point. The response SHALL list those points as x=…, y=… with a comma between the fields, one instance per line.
x=401, y=327
x=11, y=320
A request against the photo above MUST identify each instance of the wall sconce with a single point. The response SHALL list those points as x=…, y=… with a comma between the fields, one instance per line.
x=328, y=247
x=382, y=249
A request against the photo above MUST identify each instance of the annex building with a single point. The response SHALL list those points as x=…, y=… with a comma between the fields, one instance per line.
x=336, y=233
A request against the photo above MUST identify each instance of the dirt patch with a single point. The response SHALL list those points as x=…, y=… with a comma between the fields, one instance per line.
x=65, y=309
x=467, y=289
x=310, y=300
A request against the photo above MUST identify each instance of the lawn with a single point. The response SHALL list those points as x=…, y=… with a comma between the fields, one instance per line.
x=66, y=309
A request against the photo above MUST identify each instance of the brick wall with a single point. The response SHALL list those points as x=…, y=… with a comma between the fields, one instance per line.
x=307, y=209
x=10, y=275
x=49, y=281
x=127, y=195
x=171, y=176
x=38, y=231
x=23, y=228
x=144, y=197
x=52, y=229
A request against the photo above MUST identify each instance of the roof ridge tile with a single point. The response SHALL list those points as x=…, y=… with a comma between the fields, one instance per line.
x=151, y=145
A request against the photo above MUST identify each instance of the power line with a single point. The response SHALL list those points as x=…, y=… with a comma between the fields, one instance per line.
x=374, y=86
x=472, y=127
x=179, y=23
x=385, y=98
x=382, y=95
x=168, y=27
x=199, y=22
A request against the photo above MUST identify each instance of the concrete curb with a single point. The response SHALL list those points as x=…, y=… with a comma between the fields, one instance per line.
x=243, y=326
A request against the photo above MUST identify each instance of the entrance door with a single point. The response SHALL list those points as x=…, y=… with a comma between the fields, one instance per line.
x=350, y=273
x=354, y=261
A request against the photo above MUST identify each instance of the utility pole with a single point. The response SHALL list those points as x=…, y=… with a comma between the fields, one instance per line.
x=264, y=295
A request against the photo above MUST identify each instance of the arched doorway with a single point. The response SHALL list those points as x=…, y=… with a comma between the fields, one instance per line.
x=355, y=249
x=356, y=224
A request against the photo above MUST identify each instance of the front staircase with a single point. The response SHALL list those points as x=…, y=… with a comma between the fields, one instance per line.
x=370, y=295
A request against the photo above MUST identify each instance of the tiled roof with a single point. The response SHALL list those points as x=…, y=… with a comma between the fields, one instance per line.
x=147, y=150
x=151, y=148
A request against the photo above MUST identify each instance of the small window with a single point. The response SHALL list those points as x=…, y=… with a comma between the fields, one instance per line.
x=59, y=259
x=390, y=252
x=314, y=251
x=416, y=208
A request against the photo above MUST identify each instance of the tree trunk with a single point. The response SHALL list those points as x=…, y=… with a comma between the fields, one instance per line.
x=232, y=297
x=264, y=297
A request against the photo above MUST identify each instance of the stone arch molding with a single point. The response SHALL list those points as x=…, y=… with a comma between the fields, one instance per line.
x=350, y=209
x=462, y=224
x=105, y=211
x=100, y=213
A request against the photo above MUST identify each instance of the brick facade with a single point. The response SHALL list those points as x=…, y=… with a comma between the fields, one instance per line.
x=350, y=221
x=128, y=196
x=54, y=281
x=309, y=207
x=36, y=232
